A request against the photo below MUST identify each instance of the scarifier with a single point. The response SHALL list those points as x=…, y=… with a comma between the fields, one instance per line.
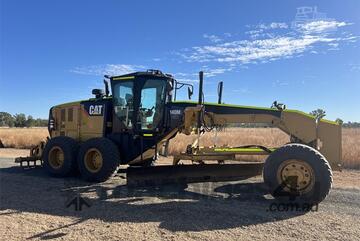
x=135, y=123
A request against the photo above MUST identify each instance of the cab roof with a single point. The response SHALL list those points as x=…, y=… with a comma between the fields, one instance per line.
x=150, y=72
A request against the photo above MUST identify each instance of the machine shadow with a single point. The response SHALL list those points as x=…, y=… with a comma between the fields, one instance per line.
x=193, y=207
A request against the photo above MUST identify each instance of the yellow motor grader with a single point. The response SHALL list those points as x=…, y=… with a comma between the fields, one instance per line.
x=132, y=125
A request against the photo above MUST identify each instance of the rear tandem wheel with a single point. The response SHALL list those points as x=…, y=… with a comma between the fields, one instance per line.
x=98, y=159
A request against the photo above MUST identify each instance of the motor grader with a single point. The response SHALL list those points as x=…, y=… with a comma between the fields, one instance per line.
x=135, y=122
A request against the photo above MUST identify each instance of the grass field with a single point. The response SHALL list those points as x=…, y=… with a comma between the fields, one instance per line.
x=271, y=137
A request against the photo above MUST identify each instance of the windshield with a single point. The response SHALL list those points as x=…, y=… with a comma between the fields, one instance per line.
x=150, y=108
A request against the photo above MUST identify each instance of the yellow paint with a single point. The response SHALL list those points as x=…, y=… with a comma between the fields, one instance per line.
x=124, y=78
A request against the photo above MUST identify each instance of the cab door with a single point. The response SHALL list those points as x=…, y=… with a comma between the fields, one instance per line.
x=151, y=107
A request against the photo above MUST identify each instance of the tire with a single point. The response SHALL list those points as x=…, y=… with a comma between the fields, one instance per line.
x=60, y=148
x=300, y=159
x=98, y=149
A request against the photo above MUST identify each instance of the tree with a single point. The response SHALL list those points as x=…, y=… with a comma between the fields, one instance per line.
x=350, y=124
x=20, y=120
x=6, y=119
x=339, y=121
x=319, y=113
x=30, y=122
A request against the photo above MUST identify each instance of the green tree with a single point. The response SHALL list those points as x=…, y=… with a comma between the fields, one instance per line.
x=20, y=120
x=6, y=119
x=319, y=113
x=41, y=122
x=339, y=121
x=350, y=124
x=30, y=122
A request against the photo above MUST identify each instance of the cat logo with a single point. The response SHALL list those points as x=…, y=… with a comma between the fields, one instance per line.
x=95, y=109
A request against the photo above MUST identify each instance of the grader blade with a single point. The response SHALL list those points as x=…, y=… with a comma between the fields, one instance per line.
x=175, y=174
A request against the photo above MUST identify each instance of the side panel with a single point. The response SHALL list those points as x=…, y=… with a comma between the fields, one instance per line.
x=330, y=143
x=82, y=120
x=66, y=121
x=72, y=122
x=327, y=134
x=91, y=120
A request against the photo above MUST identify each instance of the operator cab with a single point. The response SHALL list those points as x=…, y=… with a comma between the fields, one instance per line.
x=139, y=101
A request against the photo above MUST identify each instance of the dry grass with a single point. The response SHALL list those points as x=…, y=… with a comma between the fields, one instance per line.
x=351, y=147
x=270, y=137
x=22, y=138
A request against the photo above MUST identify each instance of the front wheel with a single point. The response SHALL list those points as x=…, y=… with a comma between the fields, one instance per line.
x=98, y=159
x=298, y=172
x=60, y=156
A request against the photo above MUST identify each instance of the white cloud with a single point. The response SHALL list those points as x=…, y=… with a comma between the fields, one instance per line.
x=273, y=45
x=264, y=30
x=272, y=26
x=186, y=77
x=280, y=83
x=246, y=51
x=355, y=67
x=186, y=80
x=109, y=69
x=208, y=72
x=242, y=91
x=216, y=71
x=212, y=38
x=321, y=26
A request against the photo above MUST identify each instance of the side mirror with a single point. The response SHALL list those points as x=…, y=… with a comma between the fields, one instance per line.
x=190, y=92
x=99, y=93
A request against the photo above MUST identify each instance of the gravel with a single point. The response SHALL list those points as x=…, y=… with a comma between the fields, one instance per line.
x=33, y=207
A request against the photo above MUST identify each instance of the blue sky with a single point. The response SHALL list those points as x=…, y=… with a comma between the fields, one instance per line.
x=57, y=51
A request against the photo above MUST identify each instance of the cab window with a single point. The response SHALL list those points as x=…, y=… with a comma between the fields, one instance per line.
x=151, y=104
x=124, y=102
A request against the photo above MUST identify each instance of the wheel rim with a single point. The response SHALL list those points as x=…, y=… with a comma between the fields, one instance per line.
x=296, y=175
x=93, y=160
x=56, y=157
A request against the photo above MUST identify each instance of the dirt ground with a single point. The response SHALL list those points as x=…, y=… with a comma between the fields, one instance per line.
x=33, y=206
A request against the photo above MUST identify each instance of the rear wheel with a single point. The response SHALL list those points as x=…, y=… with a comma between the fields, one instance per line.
x=299, y=172
x=60, y=156
x=98, y=159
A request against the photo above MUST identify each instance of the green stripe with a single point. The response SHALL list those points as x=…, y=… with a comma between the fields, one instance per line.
x=311, y=116
x=242, y=149
x=69, y=103
x=300, y=112
x=329, y=121
x=258, y=108
x=226, y=105
x=147, y=134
